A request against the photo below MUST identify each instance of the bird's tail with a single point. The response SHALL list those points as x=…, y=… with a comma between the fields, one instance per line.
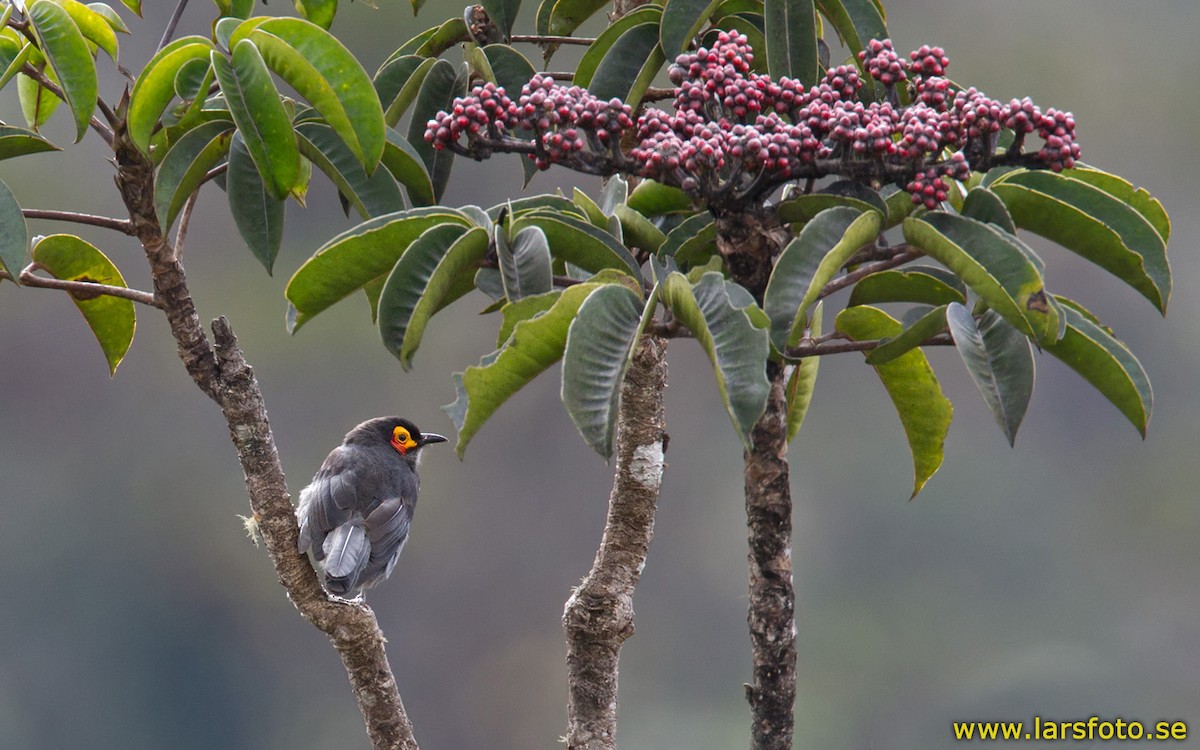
x=347, y=550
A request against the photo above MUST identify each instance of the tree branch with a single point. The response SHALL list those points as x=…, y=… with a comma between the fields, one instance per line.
x=598, y=616
x=903, y=255
x=84, y=289
x=172, y=24
x=546, y=39
x=220, y=370
x=120, y=225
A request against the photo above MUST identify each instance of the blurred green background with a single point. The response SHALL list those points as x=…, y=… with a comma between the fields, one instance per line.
x=1058, y=578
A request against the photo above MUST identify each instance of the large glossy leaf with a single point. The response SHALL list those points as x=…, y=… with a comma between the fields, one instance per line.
x=804, y=208
x=598, y=50
x=681, y=21
x=629, y=65
x=37, y=103
x=1000, y=361
x=984, y=205
x=802, y=381
x=404, y=163
x=1136, y=198
x=257, y=215
x=437, y=93
x=67, y=52
x=577, y=241
x=1093, y=223
x=600, y=342
x=450, y=33
x=324, y=72
x=995, y=264
x=856, y=21
x=736, y=347
x=429, y=275
x=503, y=13
x=155, y=87
x=524, y=262
x=691, y=243
x=397, y=83
x=67, y=257
x=927, y=285
x=927, y=325
x=924, y=412
x=13, y=54
x=1104, y=361
x=14, y=234
x=809, y=262
x=320, y=12
x=19, y=142
x=370, y=195
x=652, y=198
x=566, y=15
x=535, y=344
x=638, y=231
x=260, y=115
x=357, y=256
x=93, y=25
x=791, y=34
x=133, y=5
x=184, y=167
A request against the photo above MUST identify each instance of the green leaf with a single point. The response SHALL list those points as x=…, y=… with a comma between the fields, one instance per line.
x=13, y=55
x=637, y=230
x=691, y=243
x=1000, y=361
x=510, y=69
x=94, y=26
x=984, y=205
x=522, y=309
x=856, y=21
x=19, y=142
x=615, y=192
x=535, y=344
x=429, y=275
x=681, y=21
x=325, y=73
x=261, y=118
x=450, y=33
x=320, y=12
x=14, y=235
x=927, y=285
x=802, y=381
x=535, y=203
x=1136, y=198
x=1104, y=361
x=437, y=92
x=373, y=195
x=577, y=241
x=155, y=87
x=355, y=257
x=598, y=50
x=804, y=208
x=258, y=216
x=524, y=262
x=567, y=15
x=503, y=13
x=37, y=103
x=651, y=198
x=133, y=5
x=404, y=163
x=809, y=262
x=924, y=412
x=599, y=344
x=629, y=65
x=891, y=348
x=398, y=82
x=111, y=319
x=995, y=264
x=595, y=214
x=67, y=52
x=184, y=167
x=791, y=33
x=1093, y=223
x=736, y=347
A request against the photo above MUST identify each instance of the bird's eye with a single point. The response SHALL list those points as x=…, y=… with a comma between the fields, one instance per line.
x=400, y=435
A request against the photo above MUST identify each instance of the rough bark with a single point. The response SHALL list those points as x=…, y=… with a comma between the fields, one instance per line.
x=598, y=616
x=220, y=370
x=772, y=694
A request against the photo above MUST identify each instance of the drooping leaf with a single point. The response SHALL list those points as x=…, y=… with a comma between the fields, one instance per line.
x=1104, y=361
x=927, y=285
x=1000, y=361
x=736, y=347
x=577, y=241
x=37, y=103
x=628, y=65
x=185, y=165
x=258, y=216
x=566, y=15
x=681, y=21
x=328, y=76
x=111, y=319
x=523, y=309
x=511, y=71
x=791, y=33
x=373, y=195
x=984, y=205
x=535, y=344
x=809, y=262
x=67, y=52
x=856, y=21
x=397, y=83
x=599, y=50
x=16, y=141
x=1093, y=223
x=320, y=12
x=14, y=234
x=94, y=26
x=437, y=93
x=595, y=214
x=404, y=164
x=503, y=13
x=348, y=261
x=535, y=203
x=994, y=263
x=804, y=208
x=599, y=344
x=652, y=198
x=133, y=5
x=638, y=231
x=524, y=262
x=450, y=33
x=802, y=381
x=928, y=324
x=924, y=412
x=155, y=87
x=260, y=116
x=1136, y=198
x=437, y=268
x=13, y=56
x=691, y=243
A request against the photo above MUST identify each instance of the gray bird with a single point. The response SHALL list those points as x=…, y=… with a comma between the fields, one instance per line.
x=356, y=512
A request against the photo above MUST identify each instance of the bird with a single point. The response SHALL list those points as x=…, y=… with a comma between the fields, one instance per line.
x=356, y=512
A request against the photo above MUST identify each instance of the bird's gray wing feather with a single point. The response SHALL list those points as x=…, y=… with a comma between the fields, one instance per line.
x=327, y=502
x=346, y=553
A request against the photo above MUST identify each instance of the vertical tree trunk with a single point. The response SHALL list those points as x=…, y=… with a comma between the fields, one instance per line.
x=598, y=616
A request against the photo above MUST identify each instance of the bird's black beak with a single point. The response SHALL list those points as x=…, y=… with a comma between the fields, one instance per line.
x=432, y=437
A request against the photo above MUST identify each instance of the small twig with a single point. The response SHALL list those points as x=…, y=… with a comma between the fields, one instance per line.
x=215, y=172
x=185, y=216
x=539, y=39
x=560, y=75
x=172, y=24
x=120, y=225
x=836, y=343
x=85, y=289
x=904, y=255
x=655, y=94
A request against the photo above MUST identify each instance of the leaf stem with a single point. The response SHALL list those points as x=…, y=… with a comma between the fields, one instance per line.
x=87, y=288
x=902, y=256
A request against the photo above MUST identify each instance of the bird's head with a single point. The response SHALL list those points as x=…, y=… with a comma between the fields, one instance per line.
x=397, y=432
